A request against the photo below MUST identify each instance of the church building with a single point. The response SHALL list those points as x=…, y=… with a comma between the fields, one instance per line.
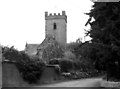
x=55, y=29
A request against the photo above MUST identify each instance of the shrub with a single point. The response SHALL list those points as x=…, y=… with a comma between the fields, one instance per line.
x=31, y=71
x=12, y=54
x=66, y=65
x=69, y=55
x=83, y=64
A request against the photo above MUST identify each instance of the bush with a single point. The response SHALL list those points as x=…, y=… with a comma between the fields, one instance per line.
x=66, y=65
x=83, y=64
x=31, y=71
x=69, y=55
x=12, y=54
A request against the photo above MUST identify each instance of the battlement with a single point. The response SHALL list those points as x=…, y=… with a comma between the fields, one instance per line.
x=56, y=16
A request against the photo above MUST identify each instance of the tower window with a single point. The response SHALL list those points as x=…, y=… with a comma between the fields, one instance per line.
x=54, y=26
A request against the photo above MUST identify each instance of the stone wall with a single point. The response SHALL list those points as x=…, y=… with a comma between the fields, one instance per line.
x=12, y=78
x=49, y=75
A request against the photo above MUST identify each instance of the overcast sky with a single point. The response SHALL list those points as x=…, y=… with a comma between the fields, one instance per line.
x=23, y=21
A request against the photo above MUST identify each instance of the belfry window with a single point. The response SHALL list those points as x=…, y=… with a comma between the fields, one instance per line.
x=54, y=26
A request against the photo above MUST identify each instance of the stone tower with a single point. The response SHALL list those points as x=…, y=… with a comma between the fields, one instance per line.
x=55, y=26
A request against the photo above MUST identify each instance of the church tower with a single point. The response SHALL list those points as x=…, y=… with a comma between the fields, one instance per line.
x=55, y=26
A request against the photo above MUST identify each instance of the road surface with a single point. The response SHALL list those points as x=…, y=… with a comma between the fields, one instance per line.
x=91, y=82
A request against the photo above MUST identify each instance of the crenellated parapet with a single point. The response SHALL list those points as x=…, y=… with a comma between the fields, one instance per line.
x=55, y=16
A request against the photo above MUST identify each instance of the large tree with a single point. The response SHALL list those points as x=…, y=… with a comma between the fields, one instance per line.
x=105, y=34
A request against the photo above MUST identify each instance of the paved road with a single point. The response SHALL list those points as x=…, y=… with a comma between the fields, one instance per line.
x=92, y=82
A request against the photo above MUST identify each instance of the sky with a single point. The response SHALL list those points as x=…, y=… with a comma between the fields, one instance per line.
x=23, y=21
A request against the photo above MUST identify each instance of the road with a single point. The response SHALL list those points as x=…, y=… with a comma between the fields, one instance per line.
x=92, y=82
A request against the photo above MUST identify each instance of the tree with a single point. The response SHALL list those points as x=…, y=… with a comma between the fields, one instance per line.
x=105, y=34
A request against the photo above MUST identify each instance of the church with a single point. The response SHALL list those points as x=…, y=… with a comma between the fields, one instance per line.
x=55, y=30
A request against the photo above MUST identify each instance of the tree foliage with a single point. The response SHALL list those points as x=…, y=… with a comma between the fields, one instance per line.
x=105, y=34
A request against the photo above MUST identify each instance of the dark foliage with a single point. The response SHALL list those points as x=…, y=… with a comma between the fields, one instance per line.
x=31, y=71
x=65, y=64
x=105, y=34
x=14, y=55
